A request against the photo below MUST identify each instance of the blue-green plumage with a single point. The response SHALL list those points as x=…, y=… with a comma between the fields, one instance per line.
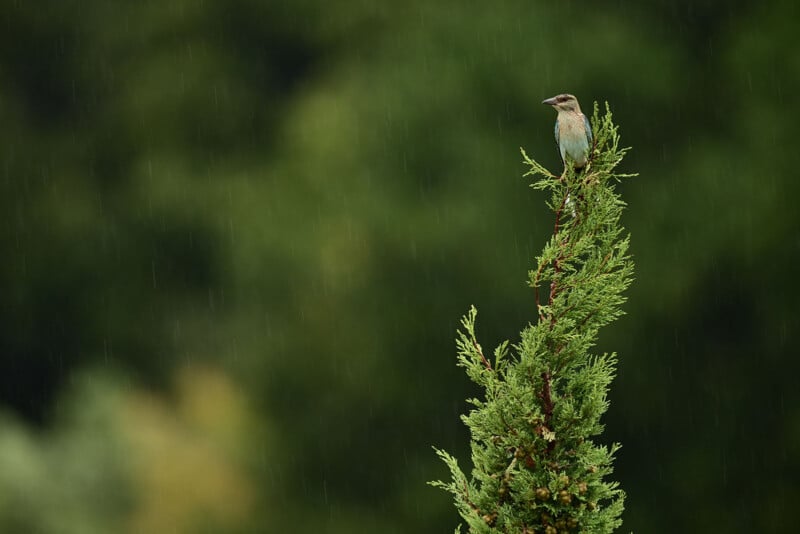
x=573, y=132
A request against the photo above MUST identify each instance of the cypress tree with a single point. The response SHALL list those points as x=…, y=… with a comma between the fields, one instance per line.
x=536, y=465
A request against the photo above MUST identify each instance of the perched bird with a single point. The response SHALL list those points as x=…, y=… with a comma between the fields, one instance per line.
x=573, y=131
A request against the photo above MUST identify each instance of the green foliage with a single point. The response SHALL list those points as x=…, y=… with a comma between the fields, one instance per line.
x=303, y=192
x=536, y=468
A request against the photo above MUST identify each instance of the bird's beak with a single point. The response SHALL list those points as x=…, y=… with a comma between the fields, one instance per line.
x=550, y=101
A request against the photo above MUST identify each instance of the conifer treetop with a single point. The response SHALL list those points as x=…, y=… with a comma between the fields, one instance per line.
x=536, y=468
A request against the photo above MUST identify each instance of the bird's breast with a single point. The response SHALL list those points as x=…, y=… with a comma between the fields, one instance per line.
x=572, y=139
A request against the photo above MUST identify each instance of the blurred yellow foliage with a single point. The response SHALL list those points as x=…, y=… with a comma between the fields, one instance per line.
x=184, y=458
x=122, y=459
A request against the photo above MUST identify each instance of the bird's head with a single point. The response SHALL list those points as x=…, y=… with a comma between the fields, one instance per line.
x=563, y=102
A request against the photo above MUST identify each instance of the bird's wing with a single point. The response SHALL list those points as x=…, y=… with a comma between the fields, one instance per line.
x=588, y=130
x=558, y=141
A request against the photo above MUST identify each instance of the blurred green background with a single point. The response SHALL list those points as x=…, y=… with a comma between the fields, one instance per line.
x=237, y=238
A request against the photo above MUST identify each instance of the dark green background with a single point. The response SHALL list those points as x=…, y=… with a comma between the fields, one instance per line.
x=274, y=213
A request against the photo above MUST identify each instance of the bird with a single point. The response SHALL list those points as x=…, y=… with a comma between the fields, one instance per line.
x=573, y=131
